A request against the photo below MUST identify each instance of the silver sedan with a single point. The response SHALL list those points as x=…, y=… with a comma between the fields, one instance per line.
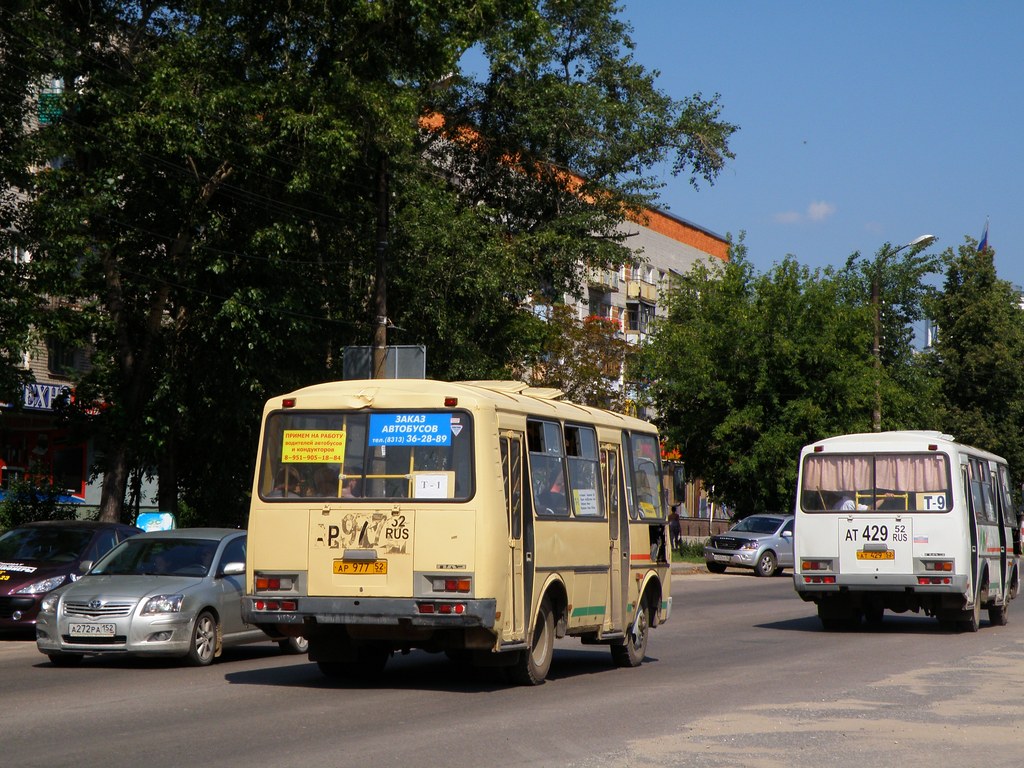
x=164, y=593
x=761, y=542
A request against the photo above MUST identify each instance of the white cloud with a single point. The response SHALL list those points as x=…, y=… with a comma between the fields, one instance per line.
x=819, y=210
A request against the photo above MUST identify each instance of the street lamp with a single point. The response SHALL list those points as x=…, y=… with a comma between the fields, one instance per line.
x=887, y=252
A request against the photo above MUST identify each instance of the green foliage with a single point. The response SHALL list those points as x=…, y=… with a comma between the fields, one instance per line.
x=585, y=359
x=748, y=368
x=223, y=177
x=977, y=356
x=692, y=551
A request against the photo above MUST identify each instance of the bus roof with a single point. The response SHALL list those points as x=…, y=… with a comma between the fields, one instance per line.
x=897, y=440
x=509, y=396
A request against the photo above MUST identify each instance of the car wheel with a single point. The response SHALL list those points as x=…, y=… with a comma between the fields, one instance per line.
x=65, y=659
x=632, y=652
x=533, y=664
x=296, y=645
x=715, y=567
x=203, y=647
x=766, y=564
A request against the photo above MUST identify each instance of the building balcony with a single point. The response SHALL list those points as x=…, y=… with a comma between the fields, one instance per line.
x=642, y=290
x=603, y=279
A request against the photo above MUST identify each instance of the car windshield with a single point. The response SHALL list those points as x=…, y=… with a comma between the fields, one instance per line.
x=159, y=557
x=50, y=545
x=757, y=525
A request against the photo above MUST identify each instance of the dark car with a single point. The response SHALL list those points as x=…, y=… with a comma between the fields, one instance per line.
x=762, y=542
x=39, y=557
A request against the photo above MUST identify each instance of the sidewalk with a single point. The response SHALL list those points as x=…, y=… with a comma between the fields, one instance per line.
x=682, y=569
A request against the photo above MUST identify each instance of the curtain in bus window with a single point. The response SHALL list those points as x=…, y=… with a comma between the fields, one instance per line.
x=912, y=482
x=835, y=482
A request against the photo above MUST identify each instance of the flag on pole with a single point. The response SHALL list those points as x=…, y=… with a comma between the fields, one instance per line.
x=983, y=243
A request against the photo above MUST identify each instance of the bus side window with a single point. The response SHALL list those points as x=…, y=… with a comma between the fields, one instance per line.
x=547, y=468
x=584, y=476
x=512, y=476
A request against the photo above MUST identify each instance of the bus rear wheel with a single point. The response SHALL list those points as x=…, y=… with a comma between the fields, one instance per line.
x=998, y=614
x=531, y=668
x=632, y=651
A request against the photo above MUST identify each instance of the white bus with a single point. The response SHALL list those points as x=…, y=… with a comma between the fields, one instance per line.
x=479, y=519
x=905, y=521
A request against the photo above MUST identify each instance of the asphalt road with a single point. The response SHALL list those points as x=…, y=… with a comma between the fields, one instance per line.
x=741, y=676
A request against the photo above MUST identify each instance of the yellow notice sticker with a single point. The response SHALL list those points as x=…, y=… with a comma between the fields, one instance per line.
x=313, y=446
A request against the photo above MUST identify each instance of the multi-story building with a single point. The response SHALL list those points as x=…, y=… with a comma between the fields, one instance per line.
x=664, y=245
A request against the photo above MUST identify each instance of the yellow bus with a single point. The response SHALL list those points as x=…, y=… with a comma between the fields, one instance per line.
x=479, y=519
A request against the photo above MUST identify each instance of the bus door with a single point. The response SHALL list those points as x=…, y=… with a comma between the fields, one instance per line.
x=618, y=557
x=985, y=529
x=1007, y=517
x=520, y=528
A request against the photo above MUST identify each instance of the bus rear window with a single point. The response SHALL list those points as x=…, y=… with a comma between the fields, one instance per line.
x=891, y=482
x=340, y=456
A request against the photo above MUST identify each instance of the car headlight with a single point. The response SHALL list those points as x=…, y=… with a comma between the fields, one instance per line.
x=43, y=585
x=163, y=604
x=49, y=604
x=750, y=545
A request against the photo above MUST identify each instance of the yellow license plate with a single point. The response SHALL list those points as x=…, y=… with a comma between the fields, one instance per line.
x=366, y=567
x=887, y=555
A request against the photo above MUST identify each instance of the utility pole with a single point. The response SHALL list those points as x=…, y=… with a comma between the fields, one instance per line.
x=886, y=253
x=380, y=330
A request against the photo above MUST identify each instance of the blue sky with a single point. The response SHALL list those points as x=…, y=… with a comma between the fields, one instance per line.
x=861, y=122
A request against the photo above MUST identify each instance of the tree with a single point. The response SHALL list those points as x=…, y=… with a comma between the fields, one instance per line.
x=893, y=284
x=229, y=185
x=554, y=145
x=585, y=359
x=977, y=356
x=748, y=368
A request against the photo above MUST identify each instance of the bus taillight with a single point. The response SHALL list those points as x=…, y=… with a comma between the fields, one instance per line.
x=446, y=609
x=445, y=584
x=938, y=565
x=275, y=605
x=816, y=565
x=273, y=583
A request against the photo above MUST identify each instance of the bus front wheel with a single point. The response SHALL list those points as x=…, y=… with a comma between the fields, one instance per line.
x=531, y=668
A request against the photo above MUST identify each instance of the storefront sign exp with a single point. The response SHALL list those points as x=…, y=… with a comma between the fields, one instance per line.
x=42, y=397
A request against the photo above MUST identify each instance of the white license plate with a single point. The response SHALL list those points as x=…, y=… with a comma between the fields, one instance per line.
x=91, y=630
x=723, y=558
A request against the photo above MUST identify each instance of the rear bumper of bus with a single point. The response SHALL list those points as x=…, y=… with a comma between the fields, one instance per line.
x=376, y=611
x=958, y=584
